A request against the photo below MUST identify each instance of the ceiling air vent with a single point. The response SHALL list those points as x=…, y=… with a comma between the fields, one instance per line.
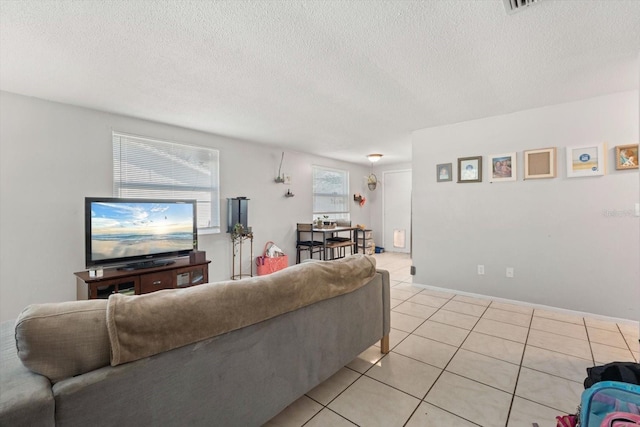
x=513, y=6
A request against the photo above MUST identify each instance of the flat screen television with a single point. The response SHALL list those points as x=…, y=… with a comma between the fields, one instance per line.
x=138, y=233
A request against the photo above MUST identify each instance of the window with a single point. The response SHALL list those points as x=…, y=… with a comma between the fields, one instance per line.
x=148, y=168
x=330, y=193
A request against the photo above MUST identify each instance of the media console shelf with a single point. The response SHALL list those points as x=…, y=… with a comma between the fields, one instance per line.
x=180, y=274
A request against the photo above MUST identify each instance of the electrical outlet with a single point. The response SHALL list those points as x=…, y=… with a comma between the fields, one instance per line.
x=413, y=270
x=480, y=270
x=510, y=272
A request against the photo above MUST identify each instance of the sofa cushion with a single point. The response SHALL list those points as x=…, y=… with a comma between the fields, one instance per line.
x=60, y=340
x=144, y=325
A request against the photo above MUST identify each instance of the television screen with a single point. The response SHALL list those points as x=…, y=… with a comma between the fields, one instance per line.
x=127, y=230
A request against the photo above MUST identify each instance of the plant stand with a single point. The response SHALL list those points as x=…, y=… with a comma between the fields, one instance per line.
x=236, y=249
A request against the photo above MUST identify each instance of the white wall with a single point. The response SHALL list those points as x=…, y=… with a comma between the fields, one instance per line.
x=53, y=155
x=573, y=242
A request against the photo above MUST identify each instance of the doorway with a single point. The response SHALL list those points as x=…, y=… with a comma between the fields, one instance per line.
x=396, y=211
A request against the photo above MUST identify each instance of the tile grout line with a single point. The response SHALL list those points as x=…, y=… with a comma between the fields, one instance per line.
x=421, y=323
x=422, y=399
x=444, y=369
x=515, y=386
x=626, y=342
x=593, y=357
x=328, y=409
x=360, y=375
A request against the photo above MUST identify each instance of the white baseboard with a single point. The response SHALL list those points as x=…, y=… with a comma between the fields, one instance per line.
x=528, y=304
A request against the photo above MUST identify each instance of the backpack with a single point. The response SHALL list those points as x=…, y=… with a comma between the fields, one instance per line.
x=606, y=397
x=626, y=372
x=621, y=419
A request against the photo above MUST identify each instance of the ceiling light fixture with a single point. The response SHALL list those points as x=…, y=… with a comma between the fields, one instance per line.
x=374, y=157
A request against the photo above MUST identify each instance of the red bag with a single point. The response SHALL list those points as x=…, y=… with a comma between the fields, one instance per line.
x=267, y=265
x=566, y=421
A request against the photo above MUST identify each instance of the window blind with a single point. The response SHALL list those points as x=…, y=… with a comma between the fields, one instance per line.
x=153, y=169
x=330, y=193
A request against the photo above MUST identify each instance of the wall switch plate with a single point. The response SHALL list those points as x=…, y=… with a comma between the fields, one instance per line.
x=287, y=179
x=509, y=272
x=480, y=270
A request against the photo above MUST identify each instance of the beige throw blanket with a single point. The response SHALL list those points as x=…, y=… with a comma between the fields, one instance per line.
x=140, y=326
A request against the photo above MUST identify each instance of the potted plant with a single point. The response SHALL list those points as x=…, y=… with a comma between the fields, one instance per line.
x=239, y=232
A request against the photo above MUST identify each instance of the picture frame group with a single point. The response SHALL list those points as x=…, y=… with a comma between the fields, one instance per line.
x=542, y=163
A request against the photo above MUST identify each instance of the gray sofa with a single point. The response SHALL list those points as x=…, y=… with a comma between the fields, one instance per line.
x=241, y=373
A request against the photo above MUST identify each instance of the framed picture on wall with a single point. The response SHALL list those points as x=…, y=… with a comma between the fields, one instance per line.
x=586, y=160
x=540, y=163
x=444, y=172
x=502, y=167
x=627, y=156
x=470, y=169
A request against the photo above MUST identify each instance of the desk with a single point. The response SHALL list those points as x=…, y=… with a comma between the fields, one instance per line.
x=330, y=232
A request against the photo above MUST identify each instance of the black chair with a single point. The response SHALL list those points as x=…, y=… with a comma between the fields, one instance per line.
x=311, y=246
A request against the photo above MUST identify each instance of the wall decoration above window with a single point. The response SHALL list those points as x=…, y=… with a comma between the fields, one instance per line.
x=502, y=167
x=470, y=169
x=282, y=178
x=586, y=160
x=444, y=172
x=540, y=163
x=627, y=156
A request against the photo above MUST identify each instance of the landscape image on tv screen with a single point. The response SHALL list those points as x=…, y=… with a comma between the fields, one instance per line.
x=120, y=230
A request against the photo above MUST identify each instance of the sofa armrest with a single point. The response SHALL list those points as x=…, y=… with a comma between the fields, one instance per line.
x=26, y=398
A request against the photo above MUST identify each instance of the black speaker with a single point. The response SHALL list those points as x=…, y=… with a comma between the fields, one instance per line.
x=237, y=213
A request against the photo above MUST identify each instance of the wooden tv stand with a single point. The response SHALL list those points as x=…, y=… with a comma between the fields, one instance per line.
x=180, y=274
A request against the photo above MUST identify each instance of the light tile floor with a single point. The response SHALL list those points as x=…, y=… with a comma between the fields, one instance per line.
x=461, y=361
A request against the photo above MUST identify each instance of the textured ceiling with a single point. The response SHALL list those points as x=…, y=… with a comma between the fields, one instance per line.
x=339, y=79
